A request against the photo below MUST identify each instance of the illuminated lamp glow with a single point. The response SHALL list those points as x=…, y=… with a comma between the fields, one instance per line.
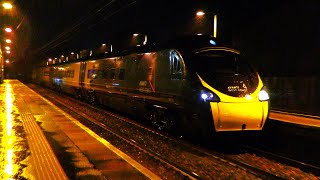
x=200, y=13
x=7, y=61
x=135, y=34
x=7, y=6
x=72, y=52
x=8, y=29
x=212, y=42
x=7, y=48
x=8, y=52
x=8, y=41
x=49, y=59
x=199, y=34
x=103, y=44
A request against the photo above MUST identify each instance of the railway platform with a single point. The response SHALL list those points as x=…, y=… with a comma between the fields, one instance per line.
x=304, y=120
x=40, y=141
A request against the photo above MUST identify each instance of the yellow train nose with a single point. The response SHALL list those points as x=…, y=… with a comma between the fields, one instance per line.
x=237, y=116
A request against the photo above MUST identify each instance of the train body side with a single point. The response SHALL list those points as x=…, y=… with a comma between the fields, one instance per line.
x=169, y=86
x=137, y=82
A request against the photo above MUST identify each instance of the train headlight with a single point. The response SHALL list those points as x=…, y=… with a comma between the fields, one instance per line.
x=209, y=96
x=263, y=95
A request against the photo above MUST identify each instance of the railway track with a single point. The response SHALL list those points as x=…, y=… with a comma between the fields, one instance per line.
x=184, y=170
x=281, y=158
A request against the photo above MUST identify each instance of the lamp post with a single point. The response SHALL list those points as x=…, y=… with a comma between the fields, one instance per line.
x=6, y=9
x=6, y=6
x=145, y=37
x=215, y=21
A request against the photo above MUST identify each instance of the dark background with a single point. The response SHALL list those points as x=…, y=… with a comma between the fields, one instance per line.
x=278, y=37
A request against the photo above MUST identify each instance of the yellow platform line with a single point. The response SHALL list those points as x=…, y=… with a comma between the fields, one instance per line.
x=46, y=164
x=288, y=118
x=121, y=154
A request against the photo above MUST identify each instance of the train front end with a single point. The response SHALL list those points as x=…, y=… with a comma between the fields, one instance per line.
x=231, y=88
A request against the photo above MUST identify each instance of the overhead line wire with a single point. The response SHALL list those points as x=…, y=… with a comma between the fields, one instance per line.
x=80, y=22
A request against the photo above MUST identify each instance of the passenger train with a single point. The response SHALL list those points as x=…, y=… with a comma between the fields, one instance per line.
x=191, y=82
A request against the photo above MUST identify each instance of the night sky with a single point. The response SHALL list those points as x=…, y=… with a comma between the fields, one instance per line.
x=278, y=37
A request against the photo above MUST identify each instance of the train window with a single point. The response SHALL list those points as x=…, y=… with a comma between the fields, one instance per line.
x=113, y=74
x=92, y=73
x=223, y=69
x=175, y=65
x=69, y=73
x=121, y=74
x=105, y=74
x=99, y=74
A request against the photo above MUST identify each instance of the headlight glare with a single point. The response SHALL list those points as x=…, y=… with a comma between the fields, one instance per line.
x=207, y=95
x=263, y=95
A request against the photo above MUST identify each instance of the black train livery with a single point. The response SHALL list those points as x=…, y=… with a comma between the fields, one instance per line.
x=190, y=82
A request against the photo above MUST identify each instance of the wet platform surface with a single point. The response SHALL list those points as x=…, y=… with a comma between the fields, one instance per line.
x=36, y=136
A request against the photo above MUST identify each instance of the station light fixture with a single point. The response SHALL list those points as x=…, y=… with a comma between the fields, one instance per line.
x=7, y=48
x=8, y=52
x=8, y=41
x=200, y=13
x=49, y=59
x=215, y=21
x=8, y=29
x=72, y=52
x=199, y=34
x=145, y=37
x=7, y=61
x=103, y=44
x=7, y=5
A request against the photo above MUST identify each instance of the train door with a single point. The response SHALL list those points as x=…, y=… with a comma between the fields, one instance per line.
x=82, y=74
x=176, y=71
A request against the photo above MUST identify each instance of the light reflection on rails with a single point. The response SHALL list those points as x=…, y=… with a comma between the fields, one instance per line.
x=176, y=167
x=236, y=163
x=300, y=164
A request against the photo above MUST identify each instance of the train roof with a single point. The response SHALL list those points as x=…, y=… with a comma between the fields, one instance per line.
x=184, y=44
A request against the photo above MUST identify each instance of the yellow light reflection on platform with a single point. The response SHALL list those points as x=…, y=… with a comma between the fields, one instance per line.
x=8, y=139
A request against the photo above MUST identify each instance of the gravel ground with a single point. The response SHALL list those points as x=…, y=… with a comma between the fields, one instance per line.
x=207, y=167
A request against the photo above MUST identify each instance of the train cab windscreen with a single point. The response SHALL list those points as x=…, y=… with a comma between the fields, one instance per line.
x=225, y=71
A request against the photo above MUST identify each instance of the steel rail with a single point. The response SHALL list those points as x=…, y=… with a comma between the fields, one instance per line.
x=296, y=163
x=174, y=166
x=218, y=156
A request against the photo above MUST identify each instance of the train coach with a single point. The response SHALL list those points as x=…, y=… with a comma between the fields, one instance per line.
x=191, y=82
